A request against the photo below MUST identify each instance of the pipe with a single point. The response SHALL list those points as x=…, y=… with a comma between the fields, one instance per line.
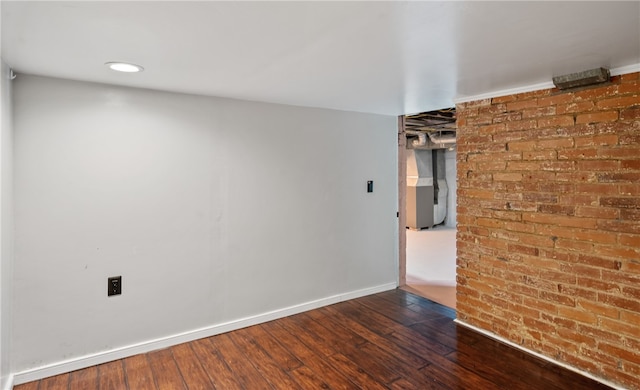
x=422, y=137
x=442, y=139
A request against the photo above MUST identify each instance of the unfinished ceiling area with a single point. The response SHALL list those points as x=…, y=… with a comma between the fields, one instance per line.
x=431, y=130
x=389, y=57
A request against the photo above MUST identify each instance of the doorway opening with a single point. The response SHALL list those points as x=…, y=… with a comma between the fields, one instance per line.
x=427, y=146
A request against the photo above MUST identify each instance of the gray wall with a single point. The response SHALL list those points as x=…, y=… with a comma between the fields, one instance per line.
x=6, y=223
x=452, y=200
x=211, y=209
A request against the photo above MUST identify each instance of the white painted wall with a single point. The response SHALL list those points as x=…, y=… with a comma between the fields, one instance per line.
x=450, y=175
x=211, y=209
x=6, y=223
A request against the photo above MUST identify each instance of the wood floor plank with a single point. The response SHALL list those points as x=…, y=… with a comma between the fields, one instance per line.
x=399, y=351
x=282, y=356
x=376, y=322
x=58, y=382
x=220, y=374
x=165, y=370
x=193, y=374
x=400, y=314
x=330, y=332
x=138, y=373
x=356, y=373
x=84, y=379
x=390, y=340
x=268, y=368
x=28, y=386
x=307, y=379
x=455, y=377
x=111, y=376
x=334, y=378
x=304, y=330
x=312, y=340
x=243, y=370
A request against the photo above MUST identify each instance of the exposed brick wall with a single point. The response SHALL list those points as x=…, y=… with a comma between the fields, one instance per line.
x=549, y=223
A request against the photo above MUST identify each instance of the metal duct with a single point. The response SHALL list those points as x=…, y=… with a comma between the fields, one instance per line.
x=442, y=138
x=422, y=137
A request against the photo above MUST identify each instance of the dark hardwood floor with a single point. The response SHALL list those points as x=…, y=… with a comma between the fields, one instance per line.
x=391, y=340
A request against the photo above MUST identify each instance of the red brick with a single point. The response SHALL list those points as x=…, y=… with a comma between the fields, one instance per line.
x=596, y=93
x=613, y=177
x=523, y=166
x=600, y=165
x=548, y=154
x=558, y=166
x=558, y=143
x=519, y=105
x=630, y=214
x=579, y=200
x=492, y=128
x=492, y=109
x=575, y=107
x=557, y=121
x=507, y=117
x=619, y=226
x=597, y=188
x=597, y=261
x=620, y=202
x=596, y=140
x=560, y=220
x=622, y=153
x=547, y=186
x=521, y=125
x=631, y=292
x=475, y=104
x=630, y=113
x=632, y=165
x=630, y=328
x=507, y=176
x=503, y=99
x=555, y=99
x=632, y=87
x=629, y=317
x=628, y=239
x=617, y=252
x=621, y=353
x=577, y=154
x=622, y=303
x=600, y=310
x=618, y=102
x=606, y=116
x=538, y=112
x=558, y=298
x=579, y=315
x=630, y=77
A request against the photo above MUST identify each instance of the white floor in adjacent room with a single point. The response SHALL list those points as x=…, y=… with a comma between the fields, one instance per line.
x=431, y=264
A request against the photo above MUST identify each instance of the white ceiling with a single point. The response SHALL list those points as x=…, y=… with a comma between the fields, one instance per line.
x=380, y=57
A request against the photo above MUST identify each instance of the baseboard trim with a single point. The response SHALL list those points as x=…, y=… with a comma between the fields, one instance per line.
x=164, y=342
x=8, y=385
x=538, y=355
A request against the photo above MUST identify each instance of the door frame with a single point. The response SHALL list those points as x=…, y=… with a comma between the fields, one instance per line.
x=402, y=203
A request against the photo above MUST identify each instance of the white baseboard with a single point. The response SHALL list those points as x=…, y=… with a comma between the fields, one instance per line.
x=164, y=342
x=8, y=385
x=538, y=355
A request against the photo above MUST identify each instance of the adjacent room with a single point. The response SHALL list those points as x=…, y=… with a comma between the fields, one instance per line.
x=431, y=205
x=374, y=195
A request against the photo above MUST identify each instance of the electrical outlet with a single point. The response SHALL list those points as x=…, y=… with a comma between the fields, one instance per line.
x=114, y=285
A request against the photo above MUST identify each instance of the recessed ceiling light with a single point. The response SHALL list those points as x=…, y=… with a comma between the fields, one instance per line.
x=124, y=67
